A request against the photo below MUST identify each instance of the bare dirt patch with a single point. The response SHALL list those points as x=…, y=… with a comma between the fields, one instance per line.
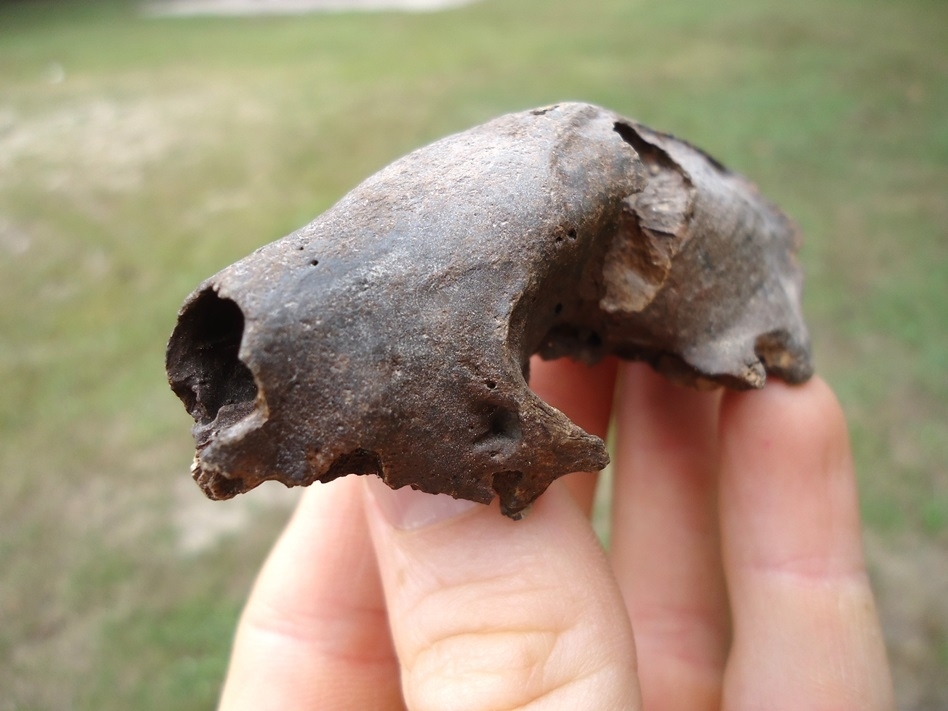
x=200, y=523
x=108, y=143
x=910, y=578
x=184, y=8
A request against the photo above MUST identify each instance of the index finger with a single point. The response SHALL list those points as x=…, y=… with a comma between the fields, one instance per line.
x=314, y=633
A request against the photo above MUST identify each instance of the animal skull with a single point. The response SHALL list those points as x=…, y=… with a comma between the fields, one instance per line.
x=392, y=334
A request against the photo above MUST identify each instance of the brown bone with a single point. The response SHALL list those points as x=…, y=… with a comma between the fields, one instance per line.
x=392, y=335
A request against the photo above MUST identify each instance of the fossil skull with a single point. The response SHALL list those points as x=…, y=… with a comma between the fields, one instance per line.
x=392, y=334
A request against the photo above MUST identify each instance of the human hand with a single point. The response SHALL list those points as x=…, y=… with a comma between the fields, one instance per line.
x=735, y=556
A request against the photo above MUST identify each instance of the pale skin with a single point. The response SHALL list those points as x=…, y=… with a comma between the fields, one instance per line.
x=735, y=577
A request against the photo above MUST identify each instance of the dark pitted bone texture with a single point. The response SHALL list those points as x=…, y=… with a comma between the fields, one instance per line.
x=392, y=334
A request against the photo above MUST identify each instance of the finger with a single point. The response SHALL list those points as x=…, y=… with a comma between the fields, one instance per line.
x=314, y=634
x=489, y=613
x=665, y=542
x=806, y=634
x=584, y=394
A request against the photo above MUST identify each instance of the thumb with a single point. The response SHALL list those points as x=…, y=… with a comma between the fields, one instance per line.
x=492, y=613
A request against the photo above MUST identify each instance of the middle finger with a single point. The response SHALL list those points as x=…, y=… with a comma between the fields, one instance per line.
x=665, y=541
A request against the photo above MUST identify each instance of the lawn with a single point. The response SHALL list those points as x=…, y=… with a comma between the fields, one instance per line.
x=138, y=156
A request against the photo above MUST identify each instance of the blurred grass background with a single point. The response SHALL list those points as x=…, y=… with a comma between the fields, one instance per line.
x=138, y=156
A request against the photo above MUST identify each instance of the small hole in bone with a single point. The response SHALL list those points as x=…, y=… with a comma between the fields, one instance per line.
x=571, y=233
x=314, y=262
x=558, y=309
x=490, y=383
x=502, y=426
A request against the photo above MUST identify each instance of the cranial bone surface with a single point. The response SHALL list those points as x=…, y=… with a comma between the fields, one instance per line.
x=392, y=334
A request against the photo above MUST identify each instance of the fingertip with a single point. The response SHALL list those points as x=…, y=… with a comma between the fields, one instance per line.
x=810, y=408
x=504, y=613
x=408, y=509
x=787, y=479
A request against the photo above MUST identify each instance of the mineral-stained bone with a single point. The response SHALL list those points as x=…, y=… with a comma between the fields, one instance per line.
x=392, y=335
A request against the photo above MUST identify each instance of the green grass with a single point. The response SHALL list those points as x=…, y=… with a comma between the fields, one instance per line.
x=172, y=147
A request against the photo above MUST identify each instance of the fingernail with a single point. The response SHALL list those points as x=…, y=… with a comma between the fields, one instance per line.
x=408, y=509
